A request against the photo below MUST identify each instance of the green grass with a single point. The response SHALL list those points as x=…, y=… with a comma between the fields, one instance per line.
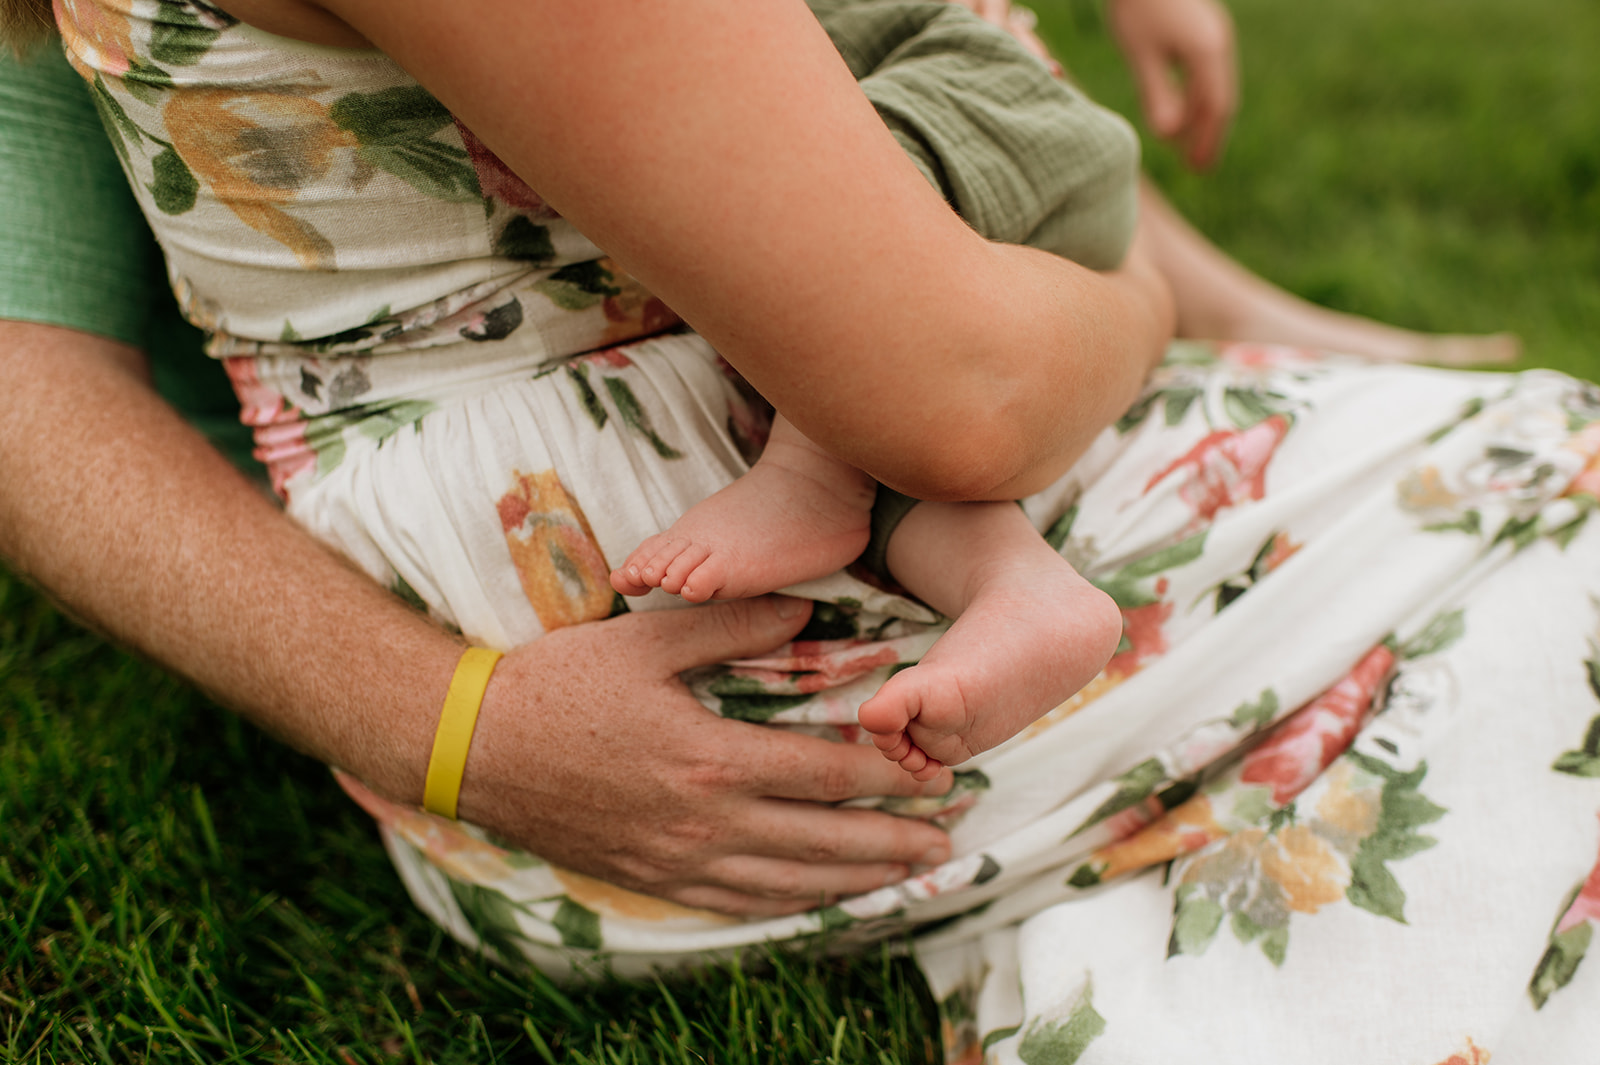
x=175, y=887
x=1432, y=163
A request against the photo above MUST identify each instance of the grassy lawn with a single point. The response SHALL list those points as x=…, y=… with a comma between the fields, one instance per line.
x=175, y=887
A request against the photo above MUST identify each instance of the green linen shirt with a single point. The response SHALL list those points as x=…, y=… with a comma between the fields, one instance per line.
x=75, y=251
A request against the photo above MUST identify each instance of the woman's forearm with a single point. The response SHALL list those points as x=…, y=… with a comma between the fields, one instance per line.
x=725, y=156
x=136, y=525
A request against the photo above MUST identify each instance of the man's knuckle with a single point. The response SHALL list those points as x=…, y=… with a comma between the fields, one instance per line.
x=837, y=780
x=824, y=849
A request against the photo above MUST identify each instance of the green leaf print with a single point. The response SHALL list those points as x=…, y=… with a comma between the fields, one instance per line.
x=379, y=425
x=1441, y=631
x=635, y=417
x=578, y=925
x=1471, y=409
x=1562, y=535
x=1061, y=528
x=1559, y=963
x=1585, y=761
x=1256, y=715
x=758, y=709
x=524, y=241
x=1136, y=414
x=1520, y=532
x=1128, y=586
x=579, y=375
x=1133, y=787
x=1179, y=400
x=1402, y=809
x=833, y=919
x=440, y=171
x=1246, y=407
x=116, y=121
x=328, y=445
x=1190, y=353
x=174, y=186
x=1063, y=1042
x=400, y=115
x=1179, y=554
x=1195, y=920
x=1470, y=523
x=146, y=83
x=998, y=1034
x=181, y=39
x=491, y=916
x=394, y=128
x=579, y=286
x=408, y=595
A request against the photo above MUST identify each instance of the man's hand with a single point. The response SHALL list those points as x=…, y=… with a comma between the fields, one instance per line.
x=1182, y=55
x=591, y=753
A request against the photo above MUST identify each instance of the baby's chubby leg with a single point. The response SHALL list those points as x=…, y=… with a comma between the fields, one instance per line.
x=1029, y=632
x=799, y=513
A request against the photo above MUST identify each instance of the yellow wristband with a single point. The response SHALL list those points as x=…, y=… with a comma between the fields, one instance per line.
x=454, y=736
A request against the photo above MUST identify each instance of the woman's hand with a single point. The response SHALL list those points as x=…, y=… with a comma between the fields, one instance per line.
x=590, y=752
x=1182, y=55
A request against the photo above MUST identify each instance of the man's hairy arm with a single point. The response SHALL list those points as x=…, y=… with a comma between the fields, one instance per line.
x=589, y=750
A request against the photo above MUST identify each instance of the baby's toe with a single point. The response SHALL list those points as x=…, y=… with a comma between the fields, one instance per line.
x=690, y=566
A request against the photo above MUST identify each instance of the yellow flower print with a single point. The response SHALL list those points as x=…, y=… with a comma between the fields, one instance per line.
x=1182, y=830
x=1349, y=813
x=562, y=571
x=257, y=151
x=1310, y=872
x=1424, y=490
x=609, y=900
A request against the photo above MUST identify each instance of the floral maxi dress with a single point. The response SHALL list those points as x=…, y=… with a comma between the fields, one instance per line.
x=1335, y=799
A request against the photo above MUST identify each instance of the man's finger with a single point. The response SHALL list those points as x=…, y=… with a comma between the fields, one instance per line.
x=677, y=640
x=829, y=836
x=817, y=883
x=739, y=904
x=791, y=766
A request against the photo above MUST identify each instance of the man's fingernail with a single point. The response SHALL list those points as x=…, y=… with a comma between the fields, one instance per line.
x=934, y=855
x=895, y=875
x=788, y=606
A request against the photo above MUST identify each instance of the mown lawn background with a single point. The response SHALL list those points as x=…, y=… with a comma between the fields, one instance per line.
x=175, y=887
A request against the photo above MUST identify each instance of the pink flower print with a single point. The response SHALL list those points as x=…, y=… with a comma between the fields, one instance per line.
x=97, y=37
x=1586, y=907
x=259, y=404
x=498, y=181
x=1586, y=442
x=1300, y=747
x=1227, y=467
x=280, y=428
x=1282, y=550
x=285, y=452
x=1472, y=1055
x=1265, y=356
x=1141, y=627
x=607, y=358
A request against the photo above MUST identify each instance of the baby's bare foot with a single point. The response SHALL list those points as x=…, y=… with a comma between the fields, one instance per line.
x=1030, y=637
x=793, y=517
